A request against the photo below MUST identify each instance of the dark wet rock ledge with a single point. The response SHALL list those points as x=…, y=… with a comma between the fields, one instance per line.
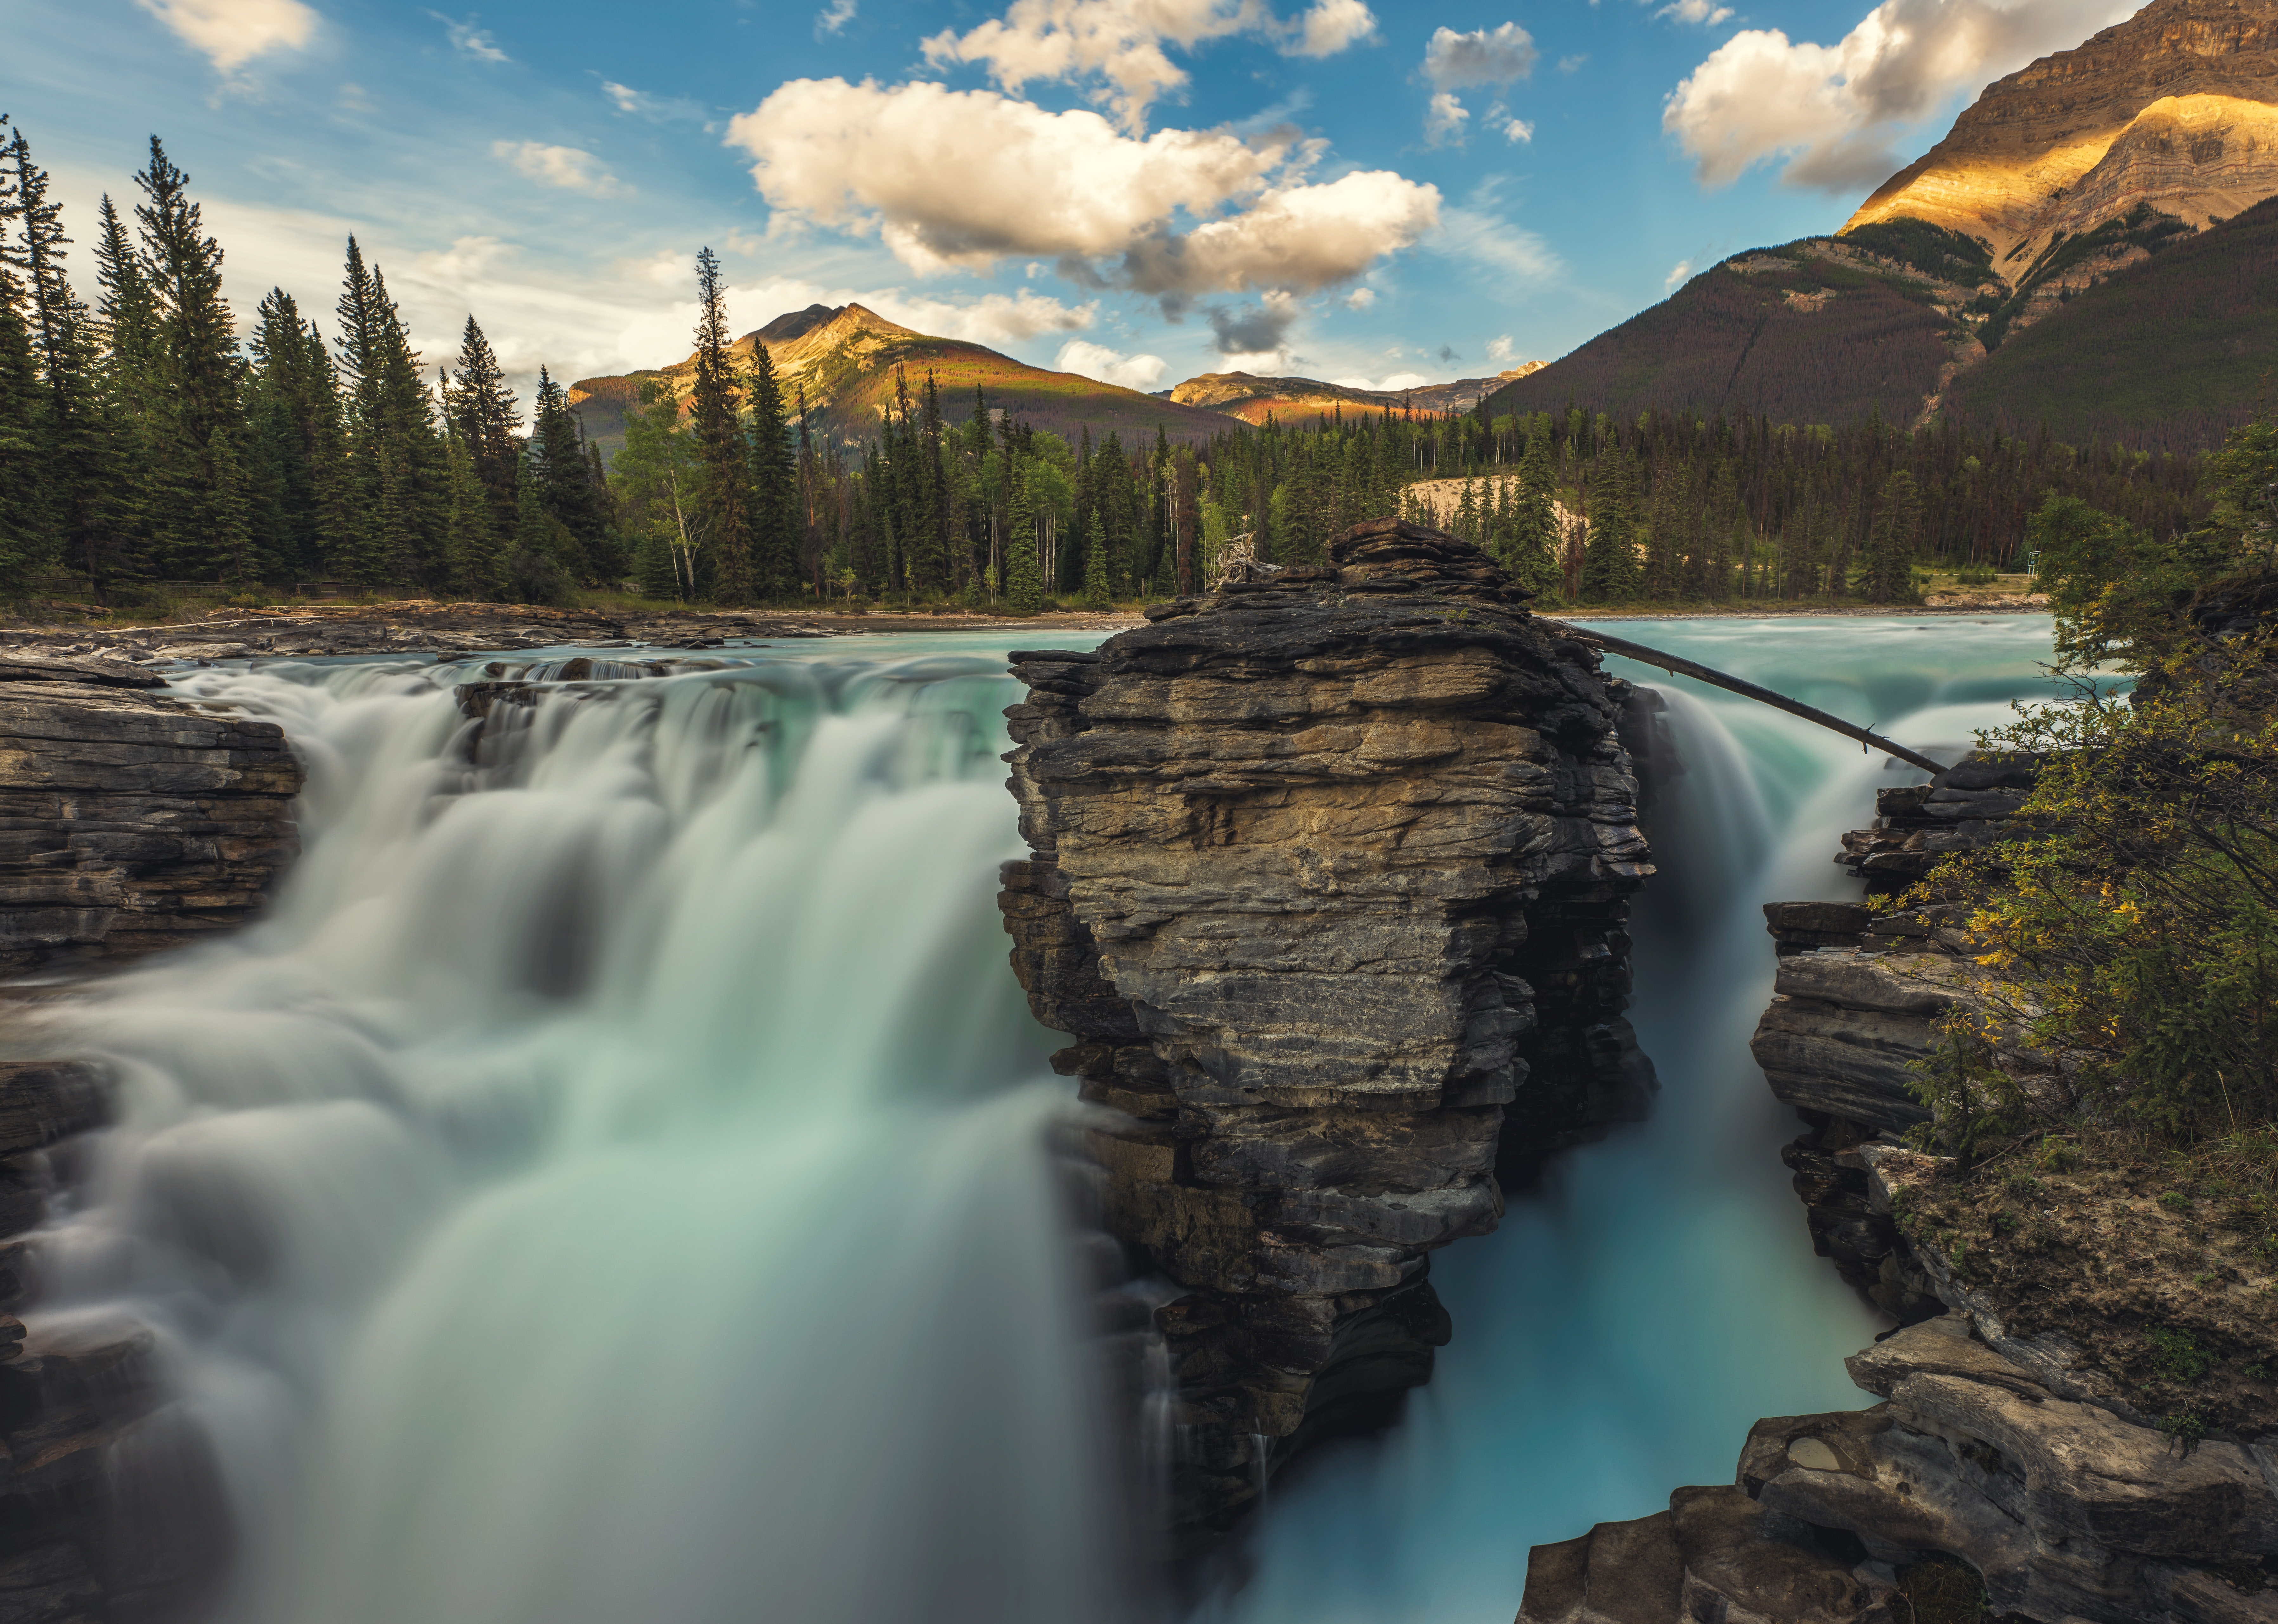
x=1329, y=881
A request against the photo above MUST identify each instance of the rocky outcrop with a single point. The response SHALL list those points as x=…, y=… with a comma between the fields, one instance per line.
x=300, y=631
x=132, y=820
x=1329, y=880
x=108, y=1505
x=2065, y=1512
x=2170, y=108
x=2078, y=1409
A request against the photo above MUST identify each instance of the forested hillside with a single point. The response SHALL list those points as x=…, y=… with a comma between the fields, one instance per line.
x=1808, y=333
x=2170, y=352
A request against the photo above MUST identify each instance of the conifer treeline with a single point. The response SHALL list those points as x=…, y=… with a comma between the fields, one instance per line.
x=141, y=440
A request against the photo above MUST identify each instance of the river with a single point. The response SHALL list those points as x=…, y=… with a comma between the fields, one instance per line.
x=617, y=1179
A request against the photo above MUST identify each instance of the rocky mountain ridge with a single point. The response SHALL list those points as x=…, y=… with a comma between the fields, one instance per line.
x=845, y=360
x=1253, y=399
x=2171, y=109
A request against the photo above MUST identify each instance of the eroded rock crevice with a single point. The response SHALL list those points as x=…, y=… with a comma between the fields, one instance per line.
x=1329, y=880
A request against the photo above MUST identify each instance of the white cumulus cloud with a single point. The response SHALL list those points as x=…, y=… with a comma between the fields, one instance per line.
x=1391, y=384
x=992, y=318
x=962, y=179
x=230, y=33
x=1443, y=121
x=1119, y=44
x=1832, y=111
x=1096, y=361
x=834, y=17
x=1702, y=11
x=1677, y=274
x=1330, y=26
x=1518, y=130
x=1360, y=298
x=572, y=168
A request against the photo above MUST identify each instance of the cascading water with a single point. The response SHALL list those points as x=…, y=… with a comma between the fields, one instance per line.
x=1620, y=1332
x=610, y=1184
x=606, y=1187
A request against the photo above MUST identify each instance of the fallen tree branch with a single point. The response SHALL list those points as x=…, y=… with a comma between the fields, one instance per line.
x=1682, y=667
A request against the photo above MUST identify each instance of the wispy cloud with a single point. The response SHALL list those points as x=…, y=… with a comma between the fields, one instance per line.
x=837, y=16
x=656, y=109
x=1493, y=243
x=1676, y=277
x=470, y=40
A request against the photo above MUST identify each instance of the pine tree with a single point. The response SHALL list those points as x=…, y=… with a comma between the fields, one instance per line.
x=534, y=575
x=23, y=509
x=74, y=451
x=198, y=375
x=126, y=391
x=775, y=492
x=1890, y=549
x=724, y=500
x=1024, y=585
x=486, y=419
x=472, y=544
x=1611, y=570
x=653, y=568
x=229, y=546
x=396, y=456
x=565, y=483
x=1095, y=564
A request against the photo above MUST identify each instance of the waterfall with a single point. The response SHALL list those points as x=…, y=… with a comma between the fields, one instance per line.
x=613, y=1182
x=1620, y=1332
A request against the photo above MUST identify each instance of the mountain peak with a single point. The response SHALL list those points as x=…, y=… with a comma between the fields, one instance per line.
x=2171, y=108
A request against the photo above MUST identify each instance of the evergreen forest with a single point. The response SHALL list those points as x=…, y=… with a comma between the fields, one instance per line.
x=157, y=436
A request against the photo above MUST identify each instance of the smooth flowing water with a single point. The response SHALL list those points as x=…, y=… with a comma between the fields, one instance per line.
x=1618, y=1334
x=614, y=1181
x=614, y=1184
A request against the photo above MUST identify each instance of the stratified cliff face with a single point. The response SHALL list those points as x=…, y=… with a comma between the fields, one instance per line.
x=2171, y=108
x=1329, y=881
x=129, y=821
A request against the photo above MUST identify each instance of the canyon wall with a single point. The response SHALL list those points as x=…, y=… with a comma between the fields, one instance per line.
x=1329, y=880
x=2071, y=1404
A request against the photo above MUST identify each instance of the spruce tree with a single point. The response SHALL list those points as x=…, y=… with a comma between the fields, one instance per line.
x=23, y=509
x=1611, y=570
x=396, y=457
x=565, y=482
x=653, y=568
x=198, y=412
x=1024, y=585
x=127, y=391
x=1890, y=549
x=534, y=575
x=774, y=492
x=477, y=555
x=79, y=469
x=230, y=551
x=724, y=492
x=1095, y=564
x=486, y=419
x=1532, y=545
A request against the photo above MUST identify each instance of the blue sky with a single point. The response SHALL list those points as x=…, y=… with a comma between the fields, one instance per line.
x=1141, y=190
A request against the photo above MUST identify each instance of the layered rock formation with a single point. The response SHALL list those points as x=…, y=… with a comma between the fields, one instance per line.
x=2064, y=1511
x=1329, y=878
x=1254, y=399
x=2077, y=1406
x=108, y=1506
x=132, y=821
x=2171, y=108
